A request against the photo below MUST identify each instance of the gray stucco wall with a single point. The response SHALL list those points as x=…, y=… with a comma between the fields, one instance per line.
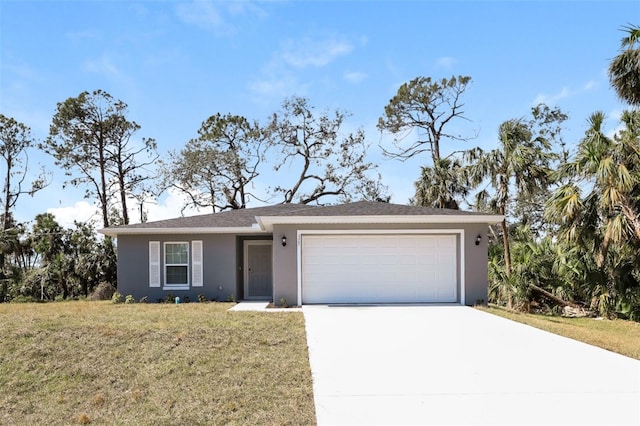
x=223, y=262
x=219, y=267
x=476, y=265
x=285, y=281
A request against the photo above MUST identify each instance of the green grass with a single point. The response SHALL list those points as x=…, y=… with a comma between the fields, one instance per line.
x=618, y=336
x=81, y=362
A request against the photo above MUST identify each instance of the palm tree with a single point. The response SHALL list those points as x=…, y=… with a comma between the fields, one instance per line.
x=520, y=165
x=609, y=170
x=624, y=70
x=442, y=185
x=597, y=210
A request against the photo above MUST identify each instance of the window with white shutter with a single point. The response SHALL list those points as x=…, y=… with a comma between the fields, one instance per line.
x=154, y=263
x=196, y=263
x=176, y=266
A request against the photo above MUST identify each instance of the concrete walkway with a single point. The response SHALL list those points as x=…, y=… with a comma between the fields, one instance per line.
x=398, y=365
x=259, y=306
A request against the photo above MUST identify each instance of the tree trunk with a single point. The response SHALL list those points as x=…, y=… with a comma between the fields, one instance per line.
x=103, y=185
x=123, y=196
x=553, y=297
x=7, y=207
x=507, y=256
x=507, y=249
x=7, y=197
x=604, y=247
x=435, y=148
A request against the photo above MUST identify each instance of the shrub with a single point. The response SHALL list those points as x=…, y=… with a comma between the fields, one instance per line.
x=117, y=298
x=129, y=299
x=170, y=298
x=202, y=298
x=103, y=291
x=24, y=299
x=59, y=298
x=143, y=300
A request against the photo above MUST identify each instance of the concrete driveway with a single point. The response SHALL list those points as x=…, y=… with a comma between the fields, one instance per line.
x=456, y=365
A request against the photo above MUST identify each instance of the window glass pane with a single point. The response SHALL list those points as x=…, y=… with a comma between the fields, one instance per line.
x=176, y=254
x=177, y=275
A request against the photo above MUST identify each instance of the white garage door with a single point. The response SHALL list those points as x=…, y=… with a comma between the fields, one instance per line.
x=379, y=268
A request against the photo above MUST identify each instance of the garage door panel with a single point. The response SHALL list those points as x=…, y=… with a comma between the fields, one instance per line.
x=379, y=268
x=408, y=260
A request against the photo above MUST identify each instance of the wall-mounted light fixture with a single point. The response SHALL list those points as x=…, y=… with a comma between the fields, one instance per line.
x=284, y=241
x=478, y=239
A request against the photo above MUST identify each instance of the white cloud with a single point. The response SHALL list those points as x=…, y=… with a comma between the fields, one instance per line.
x=170, y=206
x=613, y=117
x=86, y=35
x=103, y=65
x=19, y=69
x=615, y=114
x=205, y=15
x=279, y=76
x=552, y=99
x=355, y=77
x=107, y=66
x=316, y=53
x=245, y=7
x=446, y=62
x=216, y=16
x=566, y=92
x=276, y=86
x=590, y=85
x=81, y=211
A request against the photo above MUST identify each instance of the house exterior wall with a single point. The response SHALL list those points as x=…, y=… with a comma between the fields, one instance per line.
x=476, y=264
x=219, y=267
x=285, y=259
x=223, y=262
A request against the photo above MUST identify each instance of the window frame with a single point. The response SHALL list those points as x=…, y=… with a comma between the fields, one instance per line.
x=165, y=264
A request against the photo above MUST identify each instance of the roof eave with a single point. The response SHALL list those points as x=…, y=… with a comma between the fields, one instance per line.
x=267, y=222
x=114, y=232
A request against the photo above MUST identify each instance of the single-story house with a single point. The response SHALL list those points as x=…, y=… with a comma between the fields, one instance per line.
x=363, y=252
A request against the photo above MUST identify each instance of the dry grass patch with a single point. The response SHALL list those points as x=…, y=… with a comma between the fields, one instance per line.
x=618, y=336
x=99, y=363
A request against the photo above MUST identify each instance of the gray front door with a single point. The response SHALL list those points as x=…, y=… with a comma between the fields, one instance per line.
x=258, y=276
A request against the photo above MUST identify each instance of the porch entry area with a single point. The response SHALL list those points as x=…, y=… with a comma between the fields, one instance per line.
x=258, y=275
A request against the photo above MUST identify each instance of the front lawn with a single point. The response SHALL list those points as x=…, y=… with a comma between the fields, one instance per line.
x=81, y=362
x=618, y=336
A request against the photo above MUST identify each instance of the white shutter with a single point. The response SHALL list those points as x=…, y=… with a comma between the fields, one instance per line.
x=196, y=263
x=154, y=263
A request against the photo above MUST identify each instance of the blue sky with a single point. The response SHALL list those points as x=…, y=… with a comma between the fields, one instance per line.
x=175, y=63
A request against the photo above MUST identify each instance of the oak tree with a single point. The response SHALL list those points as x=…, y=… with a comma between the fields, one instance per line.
x=320, y=161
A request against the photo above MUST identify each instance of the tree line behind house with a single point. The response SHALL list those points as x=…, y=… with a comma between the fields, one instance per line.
x=571, y=234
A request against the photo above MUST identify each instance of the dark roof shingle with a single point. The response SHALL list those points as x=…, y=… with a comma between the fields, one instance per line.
x=246, y=218
x=225, y=219
x=372, y=208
